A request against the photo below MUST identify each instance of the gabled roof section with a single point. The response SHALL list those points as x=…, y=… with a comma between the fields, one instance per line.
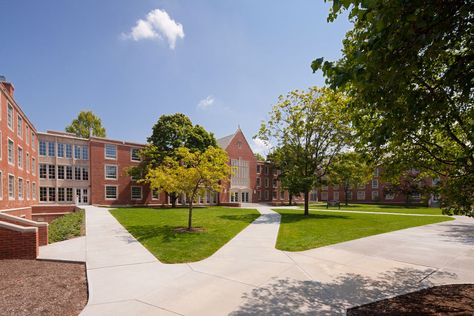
x=225, y=141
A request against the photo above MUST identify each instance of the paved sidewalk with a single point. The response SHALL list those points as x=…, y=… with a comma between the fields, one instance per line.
x=69, y=250
x=248, y=276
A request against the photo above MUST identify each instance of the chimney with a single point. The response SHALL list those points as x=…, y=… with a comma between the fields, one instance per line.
x=8, y=86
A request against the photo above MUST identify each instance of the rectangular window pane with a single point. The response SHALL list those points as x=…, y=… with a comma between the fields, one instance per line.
x=61, y=172
x=155, y=194
x=60, y=150
x=69, y=194
x=52, y=194
x=51, y=171
x=111, y=172
x=20, y=157
x=85, y=174
x=136, y=193
x=77, y=152
x=51, y=149
x=33, y=189
x=10, y=116
x=77, y=173
x=19, y=127
x=110, y=151
x=85, y=152
x=68, y=151
x=11, y=153
x=61, y=195
x=20, y=189
x=69, y=172
x=33, y=166
x=135, y=154
x=43, y=194
x=43, y=171
x=110, y=192
x=11, y=186
x=42, y=148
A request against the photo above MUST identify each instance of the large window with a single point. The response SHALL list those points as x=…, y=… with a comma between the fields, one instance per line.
x=110, y=192
x=85, y=152
x=61, y=150
x=134, y=154
x=43, y=194
x=33, y=165
x=20, y=157
x=77, y=173
x=259, y=180
x=51, y=171
x=85, y=173
x=77, y=152
x=27, y=188
x=33, y=141
x=10, y=116
x=52, y=194
x=27, y=162
x=375, y=184
x=11, y=187
x=19, y=126
x=20, y=188
x=51, y=149
x=61, y=195
x=43, y=171
x=111, y=172
x=11, y=152
x=69, y=172
x=42, y=148
x=136, y=193
x=68, y=151
x=375, y=195
x=69, y=194
x=33, y=190
x=27, y=134
x=361, y=195
x=110, y=151
x=336, y=196
x=61, y=172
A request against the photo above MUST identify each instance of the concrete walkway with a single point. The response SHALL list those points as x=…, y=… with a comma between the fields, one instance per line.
x=248, y=276
x=69, y=250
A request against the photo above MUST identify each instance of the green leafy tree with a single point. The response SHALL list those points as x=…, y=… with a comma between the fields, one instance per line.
x=310, y=127
x=259, y=157
x=348, y=170
x=407, y=183
x=191, y=173
x=170, y=133
x=408, y=68
x=86, y=124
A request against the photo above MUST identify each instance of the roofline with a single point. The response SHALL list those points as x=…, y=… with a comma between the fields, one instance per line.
x=4, y=90
x=61, y=134
x=121, y=142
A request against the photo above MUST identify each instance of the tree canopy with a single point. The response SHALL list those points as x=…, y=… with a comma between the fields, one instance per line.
x=408, y=68
x=86, y=124
x=309, y=128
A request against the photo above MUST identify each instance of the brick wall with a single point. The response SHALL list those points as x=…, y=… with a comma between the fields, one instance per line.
x=17, y=242
x=42, y=227
x=24, y=212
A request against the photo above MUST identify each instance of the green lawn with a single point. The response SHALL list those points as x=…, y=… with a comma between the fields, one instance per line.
x=298, y=232
x=382, y=208
x=155, y=229
x=67, y=227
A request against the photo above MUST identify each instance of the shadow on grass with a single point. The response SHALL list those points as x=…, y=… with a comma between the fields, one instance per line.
x=166, y=233
x=246, y=218
x=294, y=297
x=291, y=218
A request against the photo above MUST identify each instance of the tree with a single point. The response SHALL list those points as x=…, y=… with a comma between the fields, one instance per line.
x=191, y=174
x=170, y=133
x=408, y=68
x=408, y=184
x=310, y=128
x=86, y=124
x=259, y=157
x=348, y=170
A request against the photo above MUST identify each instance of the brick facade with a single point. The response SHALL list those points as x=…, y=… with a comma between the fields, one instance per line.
x=18, y=242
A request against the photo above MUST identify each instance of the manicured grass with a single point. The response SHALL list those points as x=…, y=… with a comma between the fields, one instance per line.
x=155, y=229
x=382, y=208
x=298, y=232
x=67, y=227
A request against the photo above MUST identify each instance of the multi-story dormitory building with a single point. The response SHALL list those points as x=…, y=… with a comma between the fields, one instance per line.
x=57, y=170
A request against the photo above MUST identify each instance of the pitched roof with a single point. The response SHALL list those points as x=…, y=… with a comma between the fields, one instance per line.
x=225, y=141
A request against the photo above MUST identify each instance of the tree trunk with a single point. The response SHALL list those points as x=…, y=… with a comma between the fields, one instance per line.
x=306, y=203
x=173, y=199
x=190, y=215
x=290, y=198
x=346, y=198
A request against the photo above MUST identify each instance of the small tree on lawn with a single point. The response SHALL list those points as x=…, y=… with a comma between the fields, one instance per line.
x=191, y=174
x=349, y=170
x=311, y=127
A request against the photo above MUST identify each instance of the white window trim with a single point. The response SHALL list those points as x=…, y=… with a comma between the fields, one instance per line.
x=131, y=193
x=8, y=188
x=361, y=199
x=376, y=186
x=18, y=158
x=105, y=192
x=105, y=172
x=13, y=158
x=12, y=128
x=131, y=155
x=27, y=162
x=33, y=163
x=22, y=189
x=19, y=132
x=33, y=191
x=105, y=152
x=153, y=198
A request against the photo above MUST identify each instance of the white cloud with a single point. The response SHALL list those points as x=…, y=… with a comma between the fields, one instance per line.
x=206, y=103
x=157, y=25
x=260, y=146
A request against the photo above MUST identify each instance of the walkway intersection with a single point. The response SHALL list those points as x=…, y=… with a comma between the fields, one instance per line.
x=248, y=276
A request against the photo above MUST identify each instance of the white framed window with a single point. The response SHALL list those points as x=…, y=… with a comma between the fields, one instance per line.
x=33, y=165
x=324, y=196
x=77, y=173
x=27, y=162
x=349, y=195
x=375, y=195
x=85, y=173
x=33, y=190
x=43, y=194
x=11, y=187
x=136, y=192
x=61, y=173
x=274, y=183
x=69, y=195
x=43, y=172
x=69, y=172
x=11, y=152
x=259, y=195
x=77, y=152
x=336, y=196
x=20, y=157
x=135, y=154
x=111, y=172
x=361, y=195
x=282, y=195
x=19, y=129
x=267, y=182
x=389, y=196
x=10, y=116
x=259, y=180
x=375, y=183
x=51, y=172
x=267, y=194
x=85, y=152
x=110, y=192
x=60, y=150
x=27, y=189
x=68, y=151
x=51, y=149
x=33, y=141
x=27, y=134
x=61, y=195
x=42, y=148
x=274, y=195
x=110, y=151
x=155, y=194
x=376, y=172
x=51, y=194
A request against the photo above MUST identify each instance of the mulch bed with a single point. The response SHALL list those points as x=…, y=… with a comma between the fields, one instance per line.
x=31, y=287
x=454, y=299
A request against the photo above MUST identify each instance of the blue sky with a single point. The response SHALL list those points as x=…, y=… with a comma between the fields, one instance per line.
x=230, y=61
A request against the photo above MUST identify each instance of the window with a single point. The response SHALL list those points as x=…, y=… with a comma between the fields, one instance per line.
x=375, y=183
x=259, y=195
x=27, y=134
x=77, y=152
x=1, y=142
x=267, y=182
x=110, y=192
x=51, y=171
x=52, y=194
x=20, y=188
x=68, y=151
x=20, y=157
x=43, y=194
x=77, y=173
x=135, y=154
x=61, y=195
x=85, y=174
x=61, y=172
x=282, y=195
x=361, y=195
x=375, y=195
x=61, y=150
x=349, y=195
x=10, y=116
x=258, y=169
x=33, y=165
x=336, y=196
x=111, y=172
x=324, y=196
x=155, y=194
x=389, y=196
x=69, y=194
x=11, y=187
x=42, y=148
x=259, y=182
x=69, y=172
x=33, y=141
x=265, y=169
x=11, y=153
x=110, y=151
x=85, y=152
x=274, y=183
x=51, y=149
x=19, y=130
x=43, y=172
x=27, y=162
x=33, y=190
x=136, y=193
x=27, y=189
x=274, y=195
x=267, y=194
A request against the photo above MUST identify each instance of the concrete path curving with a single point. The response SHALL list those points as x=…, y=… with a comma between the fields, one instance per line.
x=248, y=276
